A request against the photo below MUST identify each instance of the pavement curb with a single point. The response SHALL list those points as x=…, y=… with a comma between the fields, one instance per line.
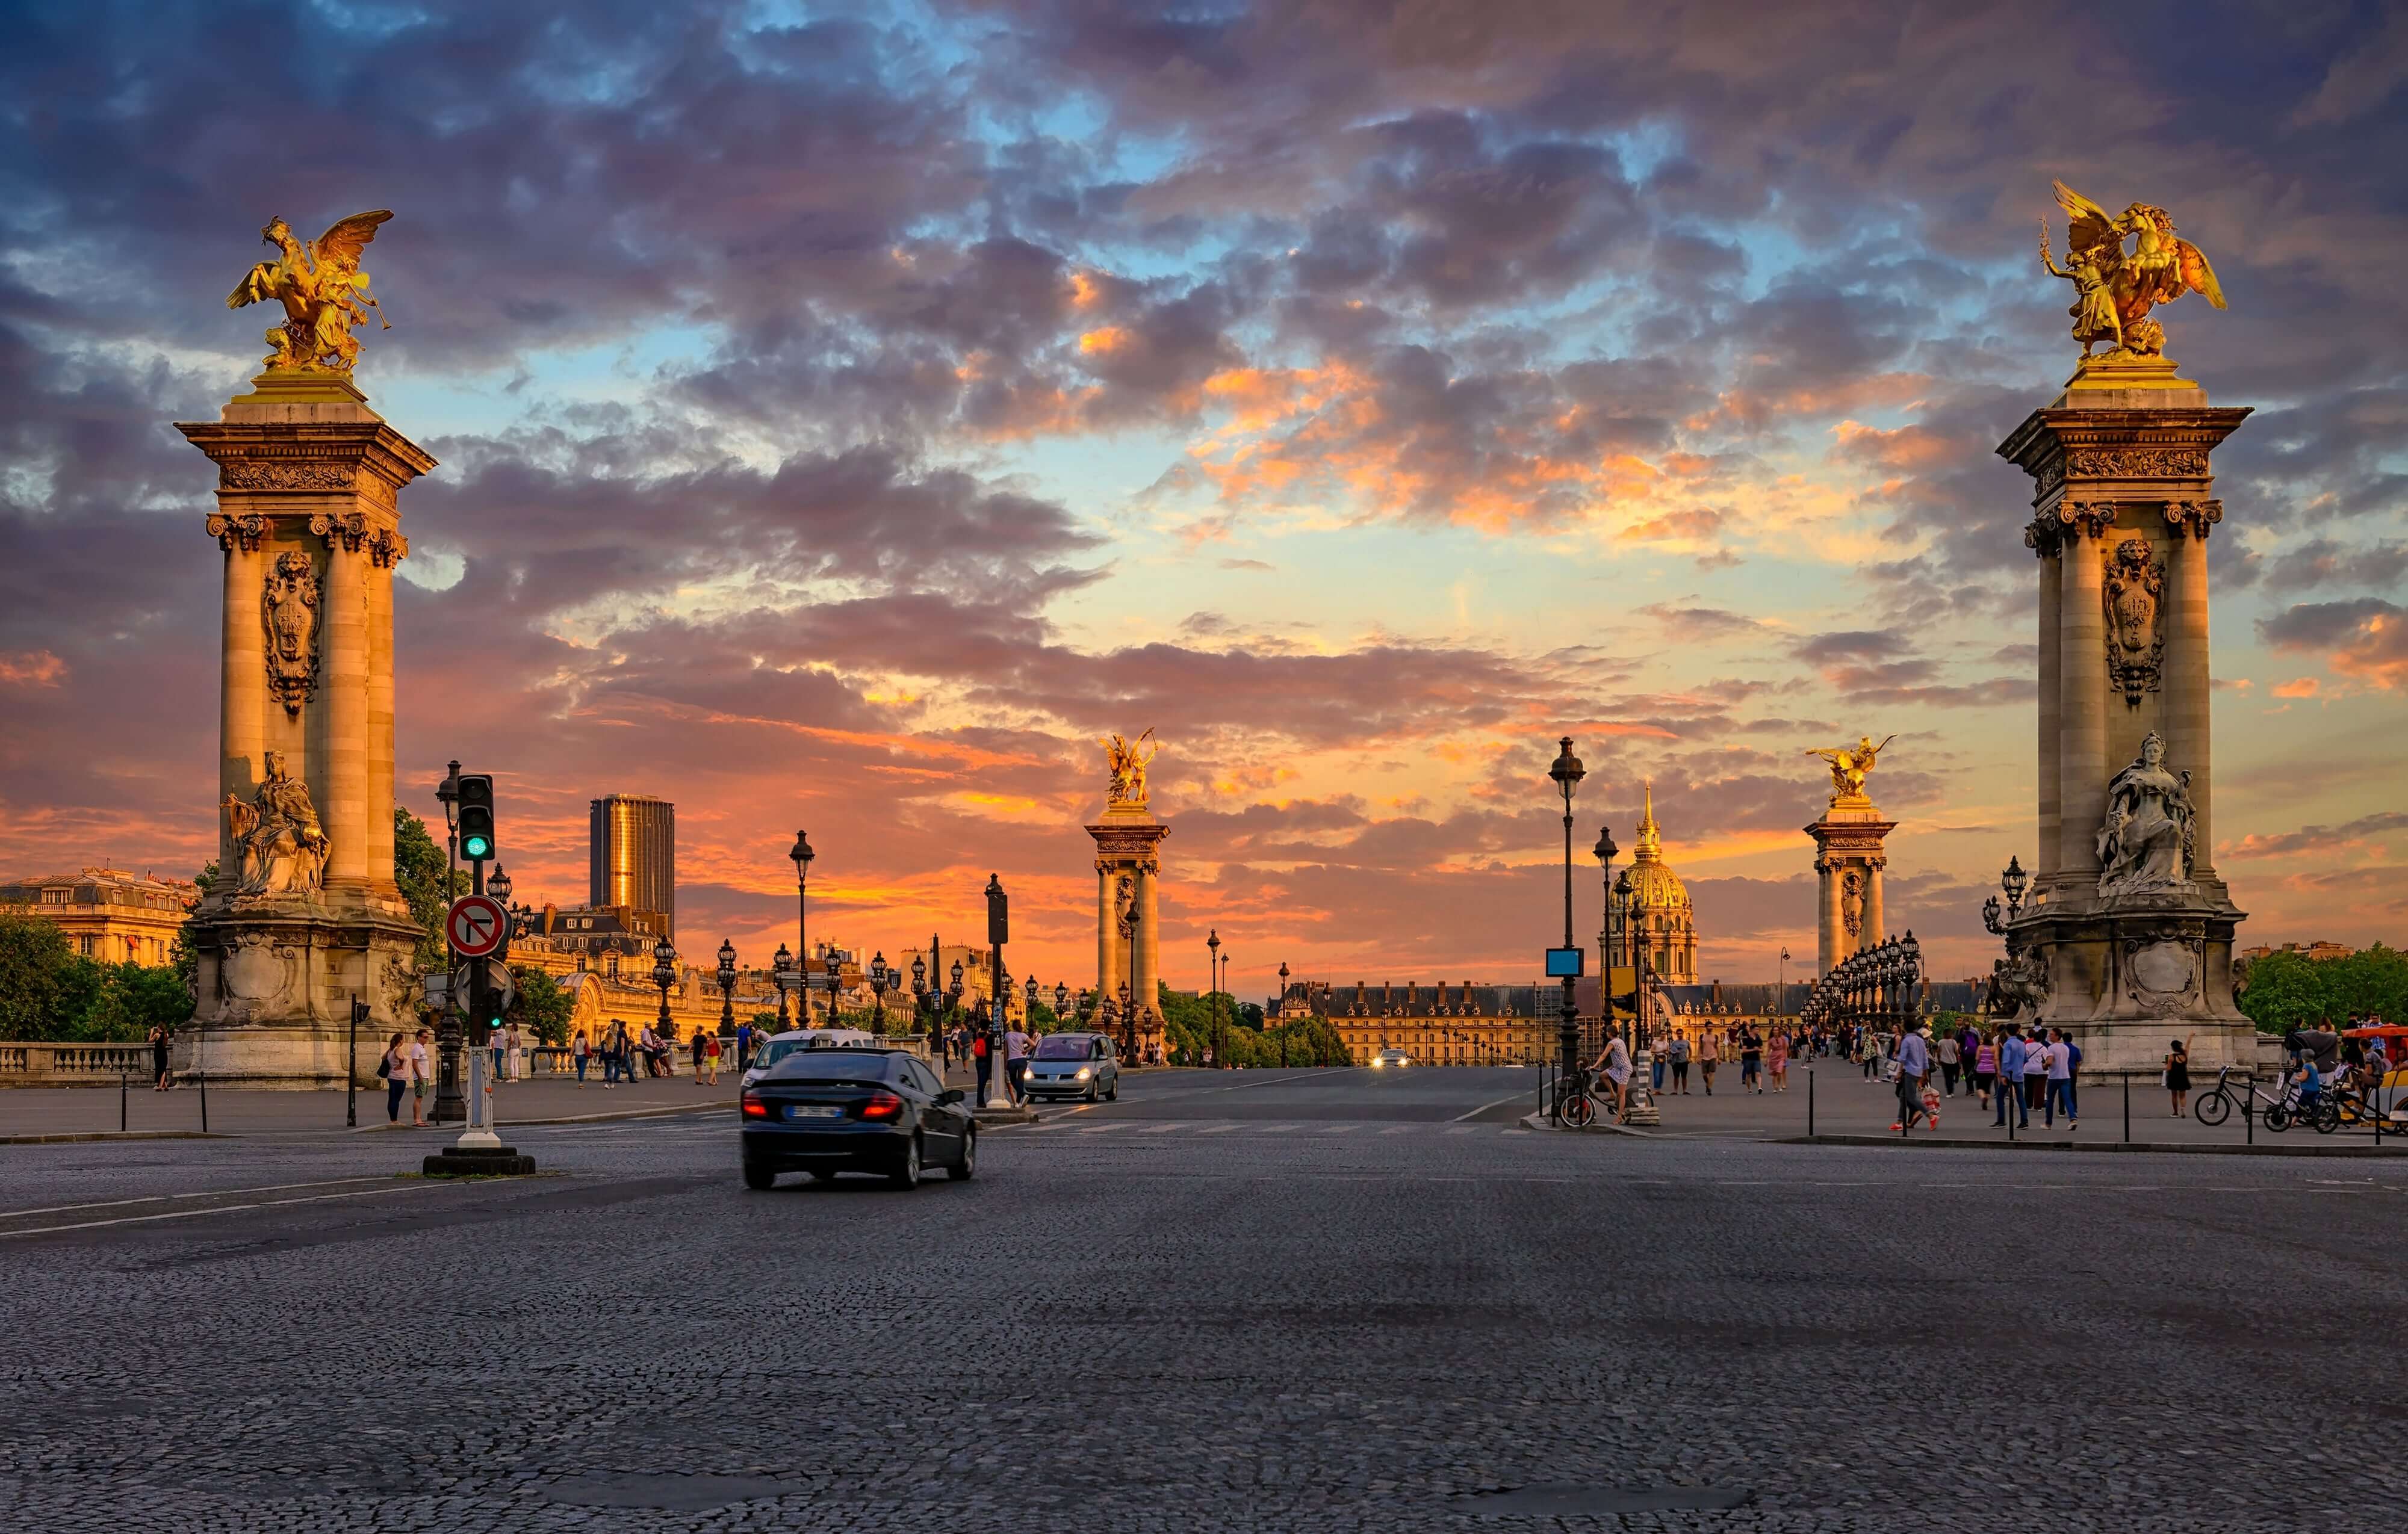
x=2360, y=1152
x=65, y=1139
x=570, y=1118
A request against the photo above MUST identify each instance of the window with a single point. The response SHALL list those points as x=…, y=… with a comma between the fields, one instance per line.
x=610, y=963
x=54, y=897
x=84, y=945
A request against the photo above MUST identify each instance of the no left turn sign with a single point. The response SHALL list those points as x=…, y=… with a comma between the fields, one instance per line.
x=477, y=926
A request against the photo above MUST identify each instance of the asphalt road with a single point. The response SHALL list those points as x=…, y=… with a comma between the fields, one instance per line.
x=1242, y=1301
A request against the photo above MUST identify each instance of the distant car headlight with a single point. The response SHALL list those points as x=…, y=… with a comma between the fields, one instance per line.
x=1085, y=1072
x=1377, y=1063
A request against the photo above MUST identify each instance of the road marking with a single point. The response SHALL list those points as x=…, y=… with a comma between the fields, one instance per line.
x=1163, y=1128
x=1275, y=1081
x=1279, y=1128
x=164, y=1198
x=1098, y=1128
x=1485, y=1106
x=1341, y=1129
x=226, y=1209
x=1220, y=1128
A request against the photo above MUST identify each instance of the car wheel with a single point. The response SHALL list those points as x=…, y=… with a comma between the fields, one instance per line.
x=1113, y=1093
x=906, y=1176
x=967, y=1168
x=758, y=1177
x=1089, y=1095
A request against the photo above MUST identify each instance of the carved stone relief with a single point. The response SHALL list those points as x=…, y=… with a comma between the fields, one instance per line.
x=2133, y=585
x=233, y=532
x=2161, y=977
x=349, y=531
x=288, y=611
x=2194, y=517
x=1851, y=901
x=2137, y=463
x=283, y=474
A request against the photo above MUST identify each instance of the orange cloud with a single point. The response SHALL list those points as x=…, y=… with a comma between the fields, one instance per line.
x=32, y=668
x=2304, y=687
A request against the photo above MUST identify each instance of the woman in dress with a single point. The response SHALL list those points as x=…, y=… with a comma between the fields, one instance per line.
x=159, y=1060
x=1776, y=1060
x=2178, y=1075
x=396, y=1077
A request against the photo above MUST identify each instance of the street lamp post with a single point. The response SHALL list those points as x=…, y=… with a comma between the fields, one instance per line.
x=1028, y=1011
x=998, y=929
x=665, y=975
x=801, y=855
x=780, y=964
x=833, y=969
x=919, y=1008
x=1567, y=771
x=878, y=988
x=450, y=1106
x=1213, y=971
x=1281, y=1005
x=1604, y=852
x=726, y=988
x=1128, y=1020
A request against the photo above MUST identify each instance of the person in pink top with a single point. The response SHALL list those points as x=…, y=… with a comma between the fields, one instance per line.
x=1985, y=1069
x=1776, y=1060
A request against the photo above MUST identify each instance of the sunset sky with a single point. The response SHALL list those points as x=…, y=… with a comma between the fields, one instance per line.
x=848, y=413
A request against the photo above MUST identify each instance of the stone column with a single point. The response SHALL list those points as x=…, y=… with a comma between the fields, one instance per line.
x=1149, y=941
x=1827, y=947
x=2081, y=730
x=345, y=698
x=386, y=550
x=2046, y=542
x=2186, y=682
x=1107, y=982
x=1875, y=913
x=242, y=683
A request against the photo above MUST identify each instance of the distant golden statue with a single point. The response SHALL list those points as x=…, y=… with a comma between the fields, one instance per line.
x=1849, y=765
x=2114, y=289
x=1128, y=766
x=323, y=292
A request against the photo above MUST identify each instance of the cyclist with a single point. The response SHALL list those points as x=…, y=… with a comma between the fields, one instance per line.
x=1613, y=1063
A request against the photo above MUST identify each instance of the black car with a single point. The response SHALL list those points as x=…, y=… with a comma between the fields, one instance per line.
x=825, y=1111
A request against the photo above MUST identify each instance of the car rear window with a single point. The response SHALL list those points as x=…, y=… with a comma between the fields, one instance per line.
x=1062, y=1046
x=832, y=1065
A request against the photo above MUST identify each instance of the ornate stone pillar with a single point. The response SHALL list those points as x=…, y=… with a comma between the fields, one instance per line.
x=1108, y=980
x=386, y=549
x=345, y=758
x=1126, y=843
x=1830, y=932
x=242, y=683
x=1149, y=938
x=1876, y=915
x=2082, y=727
x=2044, y=539
x=2186, y=682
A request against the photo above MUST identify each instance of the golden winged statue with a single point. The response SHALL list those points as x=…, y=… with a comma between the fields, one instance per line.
x=323, y=292
x=1849, y=765
x=2114, y=289
x=1127, y=765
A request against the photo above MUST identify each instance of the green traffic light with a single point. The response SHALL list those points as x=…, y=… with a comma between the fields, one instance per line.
x=477, y=846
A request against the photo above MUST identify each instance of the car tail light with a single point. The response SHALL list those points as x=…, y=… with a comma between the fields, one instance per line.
x=754, y=1107
x=881, y=1105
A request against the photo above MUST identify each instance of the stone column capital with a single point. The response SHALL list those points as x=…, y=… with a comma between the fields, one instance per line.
x=2194, y=517
x=243, y=531
x=2086, y=518
x=347, y=531
x=2044, y=537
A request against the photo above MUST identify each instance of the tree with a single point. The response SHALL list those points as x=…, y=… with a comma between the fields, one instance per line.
x=133, y=999
x=45, y=987
x=2286, y=990
x=418, y=868
x=543, y=1006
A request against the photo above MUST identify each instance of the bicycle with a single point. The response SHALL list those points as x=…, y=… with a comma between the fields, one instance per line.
x=1580, y=1105
x=2216, y=1104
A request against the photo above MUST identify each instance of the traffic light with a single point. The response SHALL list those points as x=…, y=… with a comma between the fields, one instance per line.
x=477, y=816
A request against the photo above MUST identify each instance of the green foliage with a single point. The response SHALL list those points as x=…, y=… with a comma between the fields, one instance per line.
x=418, y=869
x=132, y=999
x=1188, y=1025
x=2289, y=990
x=183, y=957
x=46, y=986
x=544, y=1006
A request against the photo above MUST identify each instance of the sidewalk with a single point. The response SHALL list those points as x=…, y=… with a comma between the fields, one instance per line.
x=93, y=1110
x=1846, y=1107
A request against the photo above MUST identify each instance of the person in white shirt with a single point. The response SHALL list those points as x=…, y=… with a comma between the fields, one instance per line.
x=420, y=1077
x=2060, y=1079
x=516, y=1044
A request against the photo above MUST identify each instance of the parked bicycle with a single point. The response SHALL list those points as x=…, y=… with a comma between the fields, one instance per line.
x=2275, y=1110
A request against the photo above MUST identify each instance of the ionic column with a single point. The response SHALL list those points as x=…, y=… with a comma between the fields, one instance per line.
x=1875, y=910
x=1149, y=943
x=2045, y=542
x=1106, y=983
x=385, y=549
x=345, y=812
x=242, y=681
x=1826, y=954
x=2082, y=733
x=2188, y=747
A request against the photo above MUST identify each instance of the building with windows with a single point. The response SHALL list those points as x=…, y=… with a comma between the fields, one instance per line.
x=1657, y=923
x=631, y=858
x=1463, y=1024
x=108, y=914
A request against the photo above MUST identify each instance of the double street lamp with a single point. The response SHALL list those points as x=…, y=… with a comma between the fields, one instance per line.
x=1567, y=771
x=878, y=988
x=783, y=964
x=665, y=975
x=2012, y=879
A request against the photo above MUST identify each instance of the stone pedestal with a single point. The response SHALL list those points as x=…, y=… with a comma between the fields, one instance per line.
x=310, y=529
x=1849, y=862
x=1128, y=926
x=2123, y=505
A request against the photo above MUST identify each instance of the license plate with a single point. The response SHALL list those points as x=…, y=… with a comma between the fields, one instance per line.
x=809, y=1111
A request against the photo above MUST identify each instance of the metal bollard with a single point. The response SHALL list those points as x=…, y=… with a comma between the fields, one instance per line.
x=121, y=1102
x=204, y=1100
x=1809, y=1102
x=2127, y=1109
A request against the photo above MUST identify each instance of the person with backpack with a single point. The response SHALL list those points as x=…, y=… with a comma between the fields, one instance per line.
x=980, y=1057
x=393, y=1071
x=578, y=1051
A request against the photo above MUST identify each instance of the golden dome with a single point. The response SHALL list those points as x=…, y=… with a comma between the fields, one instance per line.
x=1654, y=885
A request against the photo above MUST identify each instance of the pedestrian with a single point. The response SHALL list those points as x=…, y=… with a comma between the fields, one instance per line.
x=1985, y=1068
x=2010, y=1089
x=1776, y=1060
x=419, y=1077
x=1750, y=1061
x=1913, y=1061
x=1710, y=1050
x=1613, y=1064
x=744, y=1046
x=710, y=1058
x=577, y=1049
x=1869, y=1051
x=1949, y=1058
x=158, y=1058
x=980, y=1057
x=393, y=1071
x=696, y=1046
x=1657, y=1065
x=1015, y=1058
x=2059, y=1059
x=2178, y=1075
x=1679, y=1050
x=517, y=1053
x=495, y=1042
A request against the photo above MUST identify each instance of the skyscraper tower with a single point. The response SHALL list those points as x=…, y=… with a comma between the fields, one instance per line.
x=632, y=856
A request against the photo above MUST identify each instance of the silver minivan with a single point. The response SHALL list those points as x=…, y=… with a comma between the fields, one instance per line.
x=1080, y=1065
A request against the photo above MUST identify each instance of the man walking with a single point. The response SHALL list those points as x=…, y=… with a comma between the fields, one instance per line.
x=1913, y=1064
x=2010, y=1088
x=1015, y=1059
x=2060, y=1064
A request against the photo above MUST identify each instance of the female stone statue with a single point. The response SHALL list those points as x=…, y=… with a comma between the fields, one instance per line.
x=2146, y=842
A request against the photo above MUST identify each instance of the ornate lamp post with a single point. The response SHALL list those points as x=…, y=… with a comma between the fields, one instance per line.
x=1028, y=1013
x=780, y=965
x=1604, y=852
x=726, y=986
x=920, y=1007
x=1128, y=1021
x=878, y=988
x=665, y=975
x=833, y=969
x=1061, y=1001
x=1281, y=1006
x=1212, y=968
x=801, y=855
x=1567, y=771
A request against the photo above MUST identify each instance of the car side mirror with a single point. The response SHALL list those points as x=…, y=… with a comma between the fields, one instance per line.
x=949, y=1096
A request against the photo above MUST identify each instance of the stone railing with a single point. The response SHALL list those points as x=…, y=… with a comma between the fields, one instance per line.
x=72, y=1064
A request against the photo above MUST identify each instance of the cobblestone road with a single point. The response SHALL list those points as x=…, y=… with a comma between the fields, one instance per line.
x=1323, y=1303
